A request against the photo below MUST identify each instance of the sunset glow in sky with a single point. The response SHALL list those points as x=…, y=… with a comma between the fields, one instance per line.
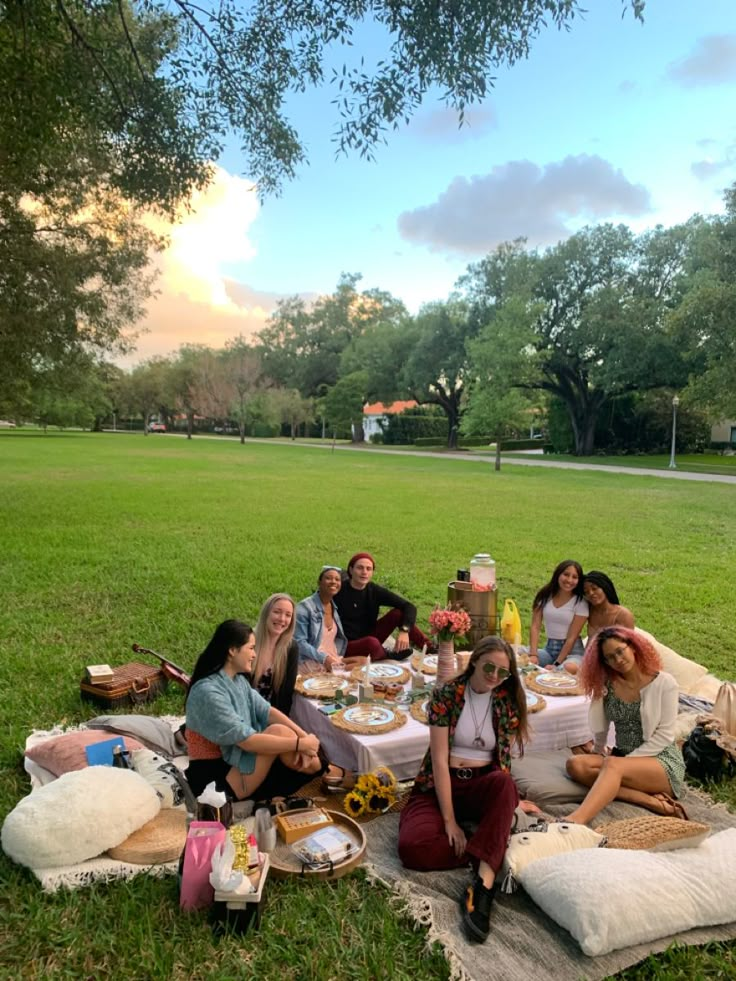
x=611, y=121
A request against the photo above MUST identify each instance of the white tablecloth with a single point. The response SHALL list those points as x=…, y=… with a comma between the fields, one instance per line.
x=563, y=723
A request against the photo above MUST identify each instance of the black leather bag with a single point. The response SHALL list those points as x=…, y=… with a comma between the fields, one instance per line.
x=704, y=758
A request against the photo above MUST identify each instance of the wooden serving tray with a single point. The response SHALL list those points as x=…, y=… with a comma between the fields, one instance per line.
x=285, y=863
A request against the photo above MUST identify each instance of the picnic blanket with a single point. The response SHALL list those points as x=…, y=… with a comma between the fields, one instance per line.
x=524, y=942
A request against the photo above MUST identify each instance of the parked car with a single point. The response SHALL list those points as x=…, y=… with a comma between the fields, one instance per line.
x=156, y=427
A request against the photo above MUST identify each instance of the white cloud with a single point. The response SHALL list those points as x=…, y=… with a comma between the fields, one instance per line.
x=712, y=62
x=198, y=300
x=522, y=199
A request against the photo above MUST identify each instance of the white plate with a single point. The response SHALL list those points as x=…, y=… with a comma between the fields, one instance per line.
x=368, y=715
x=531, y=699
x=556, y=680
x=386, y=672
x=319, y=684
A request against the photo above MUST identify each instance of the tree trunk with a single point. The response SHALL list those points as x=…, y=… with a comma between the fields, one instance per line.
x=190, y=424
x=241, y=430
x=358, y=435
x=497, y=465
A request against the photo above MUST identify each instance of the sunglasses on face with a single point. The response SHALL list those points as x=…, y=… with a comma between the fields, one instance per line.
x=501, y=673
x=331, y=568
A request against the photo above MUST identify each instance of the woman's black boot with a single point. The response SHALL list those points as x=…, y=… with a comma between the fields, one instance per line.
x=476, y=908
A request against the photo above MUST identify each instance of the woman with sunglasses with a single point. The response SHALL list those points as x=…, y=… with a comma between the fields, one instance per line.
x=465, y=777
x=318, y=630
x=622, y=673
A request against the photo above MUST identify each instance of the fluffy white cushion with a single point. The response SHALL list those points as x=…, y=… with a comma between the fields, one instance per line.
x=529, y=846
x=609, y=899
x=77, y=817
x=542, y=777
x=688, y=674
x=160, y=774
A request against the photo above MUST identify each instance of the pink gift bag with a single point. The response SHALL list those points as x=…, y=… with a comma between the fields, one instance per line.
x=202, y=839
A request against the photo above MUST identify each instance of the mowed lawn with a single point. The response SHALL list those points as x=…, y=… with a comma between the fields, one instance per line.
x=110, y=539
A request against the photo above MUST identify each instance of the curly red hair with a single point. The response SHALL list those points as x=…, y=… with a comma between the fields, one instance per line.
x=595, y=672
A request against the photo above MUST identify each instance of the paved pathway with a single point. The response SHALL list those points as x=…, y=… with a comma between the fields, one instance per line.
x=515, y=461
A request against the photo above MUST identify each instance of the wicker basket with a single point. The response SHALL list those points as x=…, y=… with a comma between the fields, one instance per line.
x=285, y=863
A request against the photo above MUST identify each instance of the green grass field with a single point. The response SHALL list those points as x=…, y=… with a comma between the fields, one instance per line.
x=111, y=539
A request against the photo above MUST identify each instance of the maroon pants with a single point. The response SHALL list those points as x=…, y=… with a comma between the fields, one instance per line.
x=373, y=644
x=489, y=799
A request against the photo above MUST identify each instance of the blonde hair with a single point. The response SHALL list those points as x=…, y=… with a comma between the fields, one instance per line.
x=282, y=644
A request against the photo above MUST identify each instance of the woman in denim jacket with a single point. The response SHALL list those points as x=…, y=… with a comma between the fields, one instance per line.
x=318, y=630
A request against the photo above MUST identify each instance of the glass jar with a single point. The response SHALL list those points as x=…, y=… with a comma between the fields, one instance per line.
x=482, y=572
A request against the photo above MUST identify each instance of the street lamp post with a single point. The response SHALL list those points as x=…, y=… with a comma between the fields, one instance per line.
x=675, y=403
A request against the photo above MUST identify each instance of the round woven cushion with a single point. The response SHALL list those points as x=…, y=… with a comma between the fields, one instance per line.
x=160, y=840
x=653, y=833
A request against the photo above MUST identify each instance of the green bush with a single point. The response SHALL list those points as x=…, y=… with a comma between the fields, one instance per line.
x=475, y=440
x=429, y=441
x=412, y=424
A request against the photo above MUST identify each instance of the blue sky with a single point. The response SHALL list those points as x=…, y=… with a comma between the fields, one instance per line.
x=612, y=121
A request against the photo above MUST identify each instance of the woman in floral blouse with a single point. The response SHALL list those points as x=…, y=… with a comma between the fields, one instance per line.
x=465, y=777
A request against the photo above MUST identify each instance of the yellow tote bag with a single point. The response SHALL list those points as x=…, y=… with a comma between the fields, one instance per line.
x=511, y=623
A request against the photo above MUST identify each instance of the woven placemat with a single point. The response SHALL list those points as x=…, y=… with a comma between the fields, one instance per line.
x=653, y=832
x=397, y=672
x=418, y=711
x=537, y=705
x=350, y=719
x=427, y=664
x=320, y=685
x=559, y=683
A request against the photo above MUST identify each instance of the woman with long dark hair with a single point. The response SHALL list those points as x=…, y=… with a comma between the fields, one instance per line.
x=465, y=776
x=560, y=606
x=604, y=606
x=235, y=738
x=623, y=675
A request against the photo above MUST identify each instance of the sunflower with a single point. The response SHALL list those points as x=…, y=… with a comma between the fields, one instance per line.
x=354, y=804
x=366, y=783
x=380, y=801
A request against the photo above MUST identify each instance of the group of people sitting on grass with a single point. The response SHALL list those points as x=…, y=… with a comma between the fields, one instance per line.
x=462, y=806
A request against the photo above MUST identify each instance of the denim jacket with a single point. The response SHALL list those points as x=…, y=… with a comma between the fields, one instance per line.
x=308, y=629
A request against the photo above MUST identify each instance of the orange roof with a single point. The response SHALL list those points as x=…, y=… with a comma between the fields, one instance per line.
x=379, y=409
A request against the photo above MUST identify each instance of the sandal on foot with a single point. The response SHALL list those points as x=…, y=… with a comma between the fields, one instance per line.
x=671, y=807
x=338, y=785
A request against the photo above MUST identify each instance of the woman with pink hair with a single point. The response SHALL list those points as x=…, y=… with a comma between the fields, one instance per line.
x=622, y=673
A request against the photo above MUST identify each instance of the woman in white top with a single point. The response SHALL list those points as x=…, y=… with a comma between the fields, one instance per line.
x=561, y=607
x=622, y=673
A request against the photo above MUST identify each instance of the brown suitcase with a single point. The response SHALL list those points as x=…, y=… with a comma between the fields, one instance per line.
x=131, y=684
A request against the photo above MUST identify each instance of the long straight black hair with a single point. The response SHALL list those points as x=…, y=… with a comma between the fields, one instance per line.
x=512, y=685
x=552, y=588
x=230, y=633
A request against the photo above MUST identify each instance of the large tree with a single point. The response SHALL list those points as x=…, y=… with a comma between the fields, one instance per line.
x=302, y=345
x=705, y=321
x=111, y=106
x=591, y=315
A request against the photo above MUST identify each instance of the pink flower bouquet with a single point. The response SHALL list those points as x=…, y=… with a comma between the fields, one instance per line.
x=450, y=623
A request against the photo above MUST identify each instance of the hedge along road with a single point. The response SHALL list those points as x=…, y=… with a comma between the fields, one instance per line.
x=477, y=458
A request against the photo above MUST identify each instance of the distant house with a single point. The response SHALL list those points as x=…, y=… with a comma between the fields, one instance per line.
x=376, y=412
x=724, y=432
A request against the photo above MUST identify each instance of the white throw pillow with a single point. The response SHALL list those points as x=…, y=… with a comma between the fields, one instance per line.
x=686, y=673
x=529, y=846
x=160, y=774
x=77, y=817
x=608, y=898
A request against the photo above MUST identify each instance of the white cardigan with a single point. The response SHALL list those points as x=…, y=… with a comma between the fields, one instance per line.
x=658, y=716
